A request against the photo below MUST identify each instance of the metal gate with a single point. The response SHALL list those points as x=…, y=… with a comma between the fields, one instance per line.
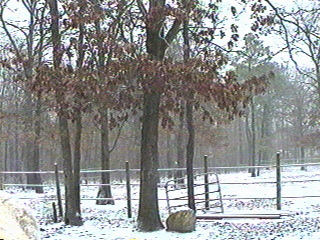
x=207, y=193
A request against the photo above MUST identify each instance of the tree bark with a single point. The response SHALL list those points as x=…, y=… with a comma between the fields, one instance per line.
x=36, y=145
x=189, y=119
x=72, y=213
x=72, y=207
x=77, y=157
x=181, y=148
x=253, y=134
x=105, y=191
x=156, y=44
x=190, y=154
x=169, y=158
x=148, y=218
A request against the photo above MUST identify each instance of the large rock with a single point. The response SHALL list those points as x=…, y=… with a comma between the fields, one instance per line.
x=182, y=221
x=16, y=222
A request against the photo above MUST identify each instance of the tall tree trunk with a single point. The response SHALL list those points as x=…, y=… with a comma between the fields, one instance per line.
x=156, y=45
x=2, y=143
x=72, y=213
x=249, y=138
x=241, y=152
x=181, y=148
x=148, y=217
x=28, y=146
x=78, y=120
x=77, y=157
x=169, y=147
x=105, y=191
x=148, y=213
x=189, y=119
x=266, y=134
x=36, y=145
x=300, y=133
x=136, y=125
x=253, y=134
x=190, y=154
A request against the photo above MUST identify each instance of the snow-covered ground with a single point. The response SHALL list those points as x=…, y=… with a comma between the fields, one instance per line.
x=111, y=221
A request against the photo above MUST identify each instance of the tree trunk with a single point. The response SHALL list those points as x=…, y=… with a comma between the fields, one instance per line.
x=253, y=132
x=181, y=148
x=265, y=134
x=72, y=213
x=190, y=155
x=105, y=191
x=36, y=145
x=156, y=45
x=2, y=143
x=169, y=147
x=148, y=213
x=77, y=157
x=78, y=120
x=148, y=216
x=189, y=119
x=249, y=138
x=28, y=147
x=135, y=162
x=241, y=152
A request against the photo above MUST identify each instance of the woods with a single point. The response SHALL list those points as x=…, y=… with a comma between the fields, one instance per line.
x=93, y=84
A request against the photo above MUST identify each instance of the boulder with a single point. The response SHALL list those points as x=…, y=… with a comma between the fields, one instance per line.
x=182, y=221
x=16, y=222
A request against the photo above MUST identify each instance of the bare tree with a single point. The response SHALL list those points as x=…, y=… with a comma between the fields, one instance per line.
x=300, y=29
x=28, y=59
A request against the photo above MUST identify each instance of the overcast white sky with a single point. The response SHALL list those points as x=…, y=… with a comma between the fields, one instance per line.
x=18, y=13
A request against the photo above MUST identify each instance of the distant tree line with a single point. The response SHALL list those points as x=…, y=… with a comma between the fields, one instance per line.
x=92, y=84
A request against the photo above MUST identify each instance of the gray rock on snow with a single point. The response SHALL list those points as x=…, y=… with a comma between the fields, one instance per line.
x=182, y=221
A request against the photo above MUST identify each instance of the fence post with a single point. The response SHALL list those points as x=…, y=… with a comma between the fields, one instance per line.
x=54, y=209
x=128, y=189
x=58, y=189
x=206, y=182
x=278, y=170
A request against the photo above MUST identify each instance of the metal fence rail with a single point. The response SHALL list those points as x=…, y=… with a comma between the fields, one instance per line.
x=127, y=181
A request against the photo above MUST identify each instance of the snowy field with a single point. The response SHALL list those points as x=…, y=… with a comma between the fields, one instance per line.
x=111, y=221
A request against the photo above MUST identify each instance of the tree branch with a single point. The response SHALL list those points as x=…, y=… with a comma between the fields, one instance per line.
x=172, y=33
x=117, y=137
x=282, y=19
x=142, y=8
x=4, y=26
x=286, y=35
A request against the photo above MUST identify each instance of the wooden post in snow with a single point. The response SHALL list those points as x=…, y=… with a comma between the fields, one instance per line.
x=278, y=172
x=206, y=183
x=128, y=189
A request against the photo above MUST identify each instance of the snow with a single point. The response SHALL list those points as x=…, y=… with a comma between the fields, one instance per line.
x=111, y=222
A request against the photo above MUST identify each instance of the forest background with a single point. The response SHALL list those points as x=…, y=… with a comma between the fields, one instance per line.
x=82, y=80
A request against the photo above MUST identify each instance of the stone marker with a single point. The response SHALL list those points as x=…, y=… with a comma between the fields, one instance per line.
x=16, y=222
x=182, y=221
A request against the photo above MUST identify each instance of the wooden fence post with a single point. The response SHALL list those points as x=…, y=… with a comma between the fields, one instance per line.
x=54, y=209
x=278, y=171
x=206, y=182
x=128, y=190
x=58, y=189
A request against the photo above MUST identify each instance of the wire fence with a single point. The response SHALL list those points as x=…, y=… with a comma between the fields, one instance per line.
x=128, y=181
